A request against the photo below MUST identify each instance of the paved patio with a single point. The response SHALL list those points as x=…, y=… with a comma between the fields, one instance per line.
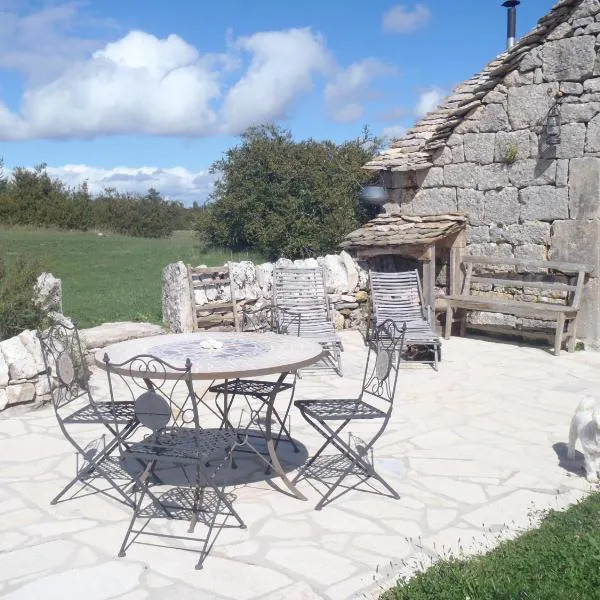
x=471, y=449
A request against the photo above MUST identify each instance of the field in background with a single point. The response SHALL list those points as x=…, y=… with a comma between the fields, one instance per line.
x=111, y=277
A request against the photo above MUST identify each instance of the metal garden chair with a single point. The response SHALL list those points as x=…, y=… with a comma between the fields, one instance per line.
x=302, y=291
x=73, y=404
x=266, y=320
x=399, y=296
x=331, y=417
x=177, y=453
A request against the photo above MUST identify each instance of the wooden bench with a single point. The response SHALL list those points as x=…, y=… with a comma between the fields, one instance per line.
x=532, y=275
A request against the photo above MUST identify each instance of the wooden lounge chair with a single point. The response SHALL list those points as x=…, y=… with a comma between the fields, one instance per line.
x=399, y=296
x=302, y=291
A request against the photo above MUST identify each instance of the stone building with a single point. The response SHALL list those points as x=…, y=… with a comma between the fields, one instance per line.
x=487, y=152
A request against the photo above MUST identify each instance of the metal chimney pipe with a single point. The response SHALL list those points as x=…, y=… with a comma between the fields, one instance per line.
x=511, y=23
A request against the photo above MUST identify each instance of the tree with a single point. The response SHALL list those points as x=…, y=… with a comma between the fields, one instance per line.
x=281, y=197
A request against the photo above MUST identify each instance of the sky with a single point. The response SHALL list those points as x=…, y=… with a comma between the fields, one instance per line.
x=134, y=94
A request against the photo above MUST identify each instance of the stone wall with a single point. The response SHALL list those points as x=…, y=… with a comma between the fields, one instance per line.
x=346, y=282
x=523, y=197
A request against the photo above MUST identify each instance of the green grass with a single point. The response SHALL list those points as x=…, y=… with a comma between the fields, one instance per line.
x=560, y=560
x=112, y=277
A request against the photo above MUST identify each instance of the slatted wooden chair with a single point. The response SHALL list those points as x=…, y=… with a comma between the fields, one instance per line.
x=302, y=291
x=399, y=296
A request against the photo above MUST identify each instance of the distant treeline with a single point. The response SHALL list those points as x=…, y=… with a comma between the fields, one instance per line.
x=31, y=197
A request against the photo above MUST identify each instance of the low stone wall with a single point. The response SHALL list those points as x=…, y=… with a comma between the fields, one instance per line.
x=346, y=281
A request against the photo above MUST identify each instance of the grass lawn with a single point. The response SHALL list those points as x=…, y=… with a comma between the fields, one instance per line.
x=108, y=278
x=558, y=561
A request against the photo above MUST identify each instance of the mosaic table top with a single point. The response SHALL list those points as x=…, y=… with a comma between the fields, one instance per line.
x=220, y=355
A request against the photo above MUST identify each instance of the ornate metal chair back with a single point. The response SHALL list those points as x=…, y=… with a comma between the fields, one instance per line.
x=163, y=394
x=383, y=362
x=65, y=365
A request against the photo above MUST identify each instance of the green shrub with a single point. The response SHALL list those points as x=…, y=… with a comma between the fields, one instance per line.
x=18, y=311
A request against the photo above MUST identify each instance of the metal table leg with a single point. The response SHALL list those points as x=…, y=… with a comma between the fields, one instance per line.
x=275, y=464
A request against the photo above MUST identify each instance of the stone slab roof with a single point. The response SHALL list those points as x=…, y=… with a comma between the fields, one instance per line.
x=414, y=150
x=403, y=230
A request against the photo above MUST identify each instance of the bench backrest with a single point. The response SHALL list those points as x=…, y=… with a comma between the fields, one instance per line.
x=528, y=269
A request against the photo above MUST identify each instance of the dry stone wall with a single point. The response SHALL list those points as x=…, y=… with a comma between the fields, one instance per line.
x=346, y=281
x=523, y=197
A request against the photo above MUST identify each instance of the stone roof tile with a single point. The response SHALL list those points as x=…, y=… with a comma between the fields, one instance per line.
x=414, y=150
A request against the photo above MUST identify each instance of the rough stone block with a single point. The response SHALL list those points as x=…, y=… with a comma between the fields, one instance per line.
x=492, y=177
x=502, y=206
x=479, y=147
x=530, y=61
x=493, y=118
x=572, y=141
x=458, y=154
x=592, y=85
x=495, y=97
x=3, y=371
x=563, y=30
x=562, y=173
x=351, y=270
x=571, y=87
x=336, y=278
x=592, y=142
x=177, y=310
x=544, y=203
x=531, y=232
x=586, y=8
x=471, y=203
x=588, y=322
x=584, y=188
x=48, y=292
x=491, y=250
x=531, y=172
x=569, y=59
x=21, y=364
x=579, y=112
x=529, y=105
x=516, y=78
x=20, y=393
x=463, y=176
x=3, y=399
x=509, y=142
x=442, y=157
x=489, y=318
x=433, y=177
x=478, y=235
x=576, y=241
x=434, y=201
x=530, y=252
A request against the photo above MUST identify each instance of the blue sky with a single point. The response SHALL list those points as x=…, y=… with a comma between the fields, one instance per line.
x=149, y=93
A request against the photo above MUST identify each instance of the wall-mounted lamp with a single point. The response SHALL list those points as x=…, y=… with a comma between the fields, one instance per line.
x=553, y=122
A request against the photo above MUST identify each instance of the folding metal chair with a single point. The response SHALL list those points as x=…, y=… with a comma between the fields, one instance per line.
x=331, y=417
x=73, y=404
x=399, y=296
x=177, y=453
x=302, y=291
x=257, y=393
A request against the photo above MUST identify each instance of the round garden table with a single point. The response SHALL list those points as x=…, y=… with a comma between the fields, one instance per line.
x=224, y=355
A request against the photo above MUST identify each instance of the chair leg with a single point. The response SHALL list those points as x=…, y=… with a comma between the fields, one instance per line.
x=572, y=331
x=448, y=324
x=558, y=336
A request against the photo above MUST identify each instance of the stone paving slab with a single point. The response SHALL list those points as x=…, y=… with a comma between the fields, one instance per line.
x=472, y=450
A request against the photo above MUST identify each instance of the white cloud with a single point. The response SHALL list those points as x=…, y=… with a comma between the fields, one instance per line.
x=345, y=93
x=176, y=183
x=43, y=43
x=282, y=67
x=401, y=19
x=393, y=132
x=429, y=100
x=139, y=84
x=78, y=88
